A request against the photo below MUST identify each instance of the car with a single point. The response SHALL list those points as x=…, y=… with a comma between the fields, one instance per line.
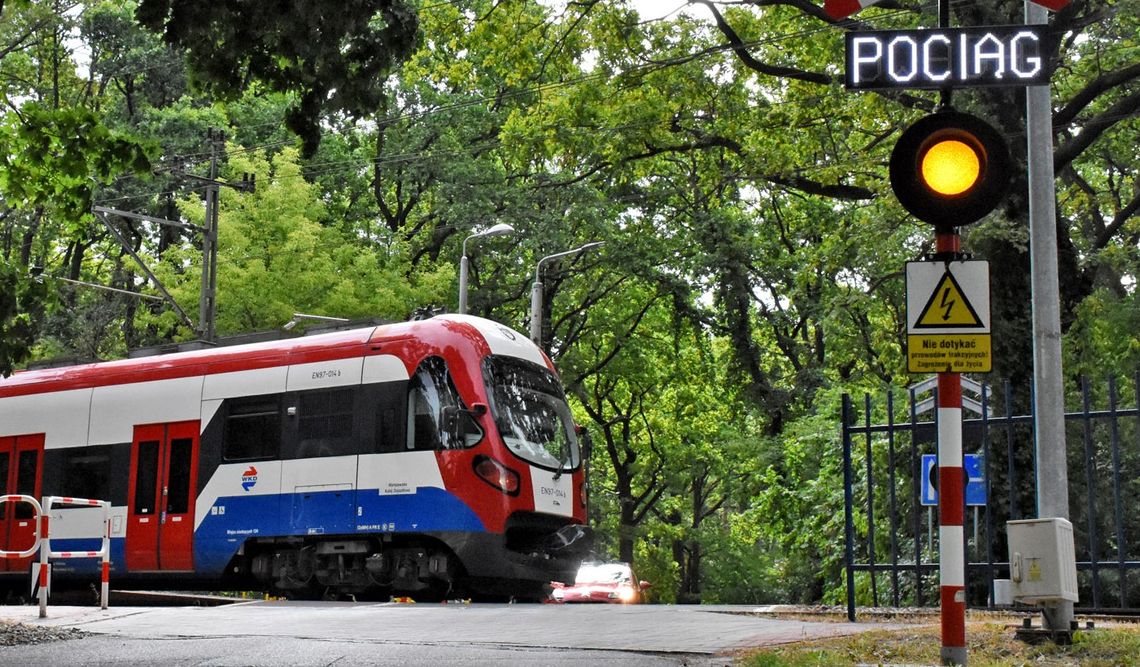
x=601, y=582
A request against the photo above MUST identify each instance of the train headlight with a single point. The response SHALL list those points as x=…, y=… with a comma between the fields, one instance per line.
x=497, y=475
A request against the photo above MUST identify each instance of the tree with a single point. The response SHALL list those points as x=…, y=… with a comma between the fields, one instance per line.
x=275, y=258
x=58, y=152
x=329, y=54
x=21, y=302
x=753, y=263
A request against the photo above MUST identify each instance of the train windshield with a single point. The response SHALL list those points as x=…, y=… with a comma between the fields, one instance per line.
x=531, y=413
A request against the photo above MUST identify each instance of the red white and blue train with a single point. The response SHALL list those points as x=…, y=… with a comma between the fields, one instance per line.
x=427, y=458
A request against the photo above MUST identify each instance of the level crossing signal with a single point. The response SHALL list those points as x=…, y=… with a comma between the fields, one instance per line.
x=950, y=169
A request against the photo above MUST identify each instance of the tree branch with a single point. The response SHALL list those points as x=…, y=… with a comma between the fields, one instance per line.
x=1093, y=90
x=837, y=191
x=752, y=63
x=1125, y=214
x=1123, y=109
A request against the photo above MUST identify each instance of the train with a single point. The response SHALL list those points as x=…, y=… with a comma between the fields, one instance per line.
x=430, y=458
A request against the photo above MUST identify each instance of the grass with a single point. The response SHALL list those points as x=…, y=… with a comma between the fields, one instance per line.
x=988, y=644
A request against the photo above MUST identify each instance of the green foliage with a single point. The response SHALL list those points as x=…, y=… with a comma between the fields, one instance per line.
x=1106, y=334
x=54, y=159
x=799, y=511
x=276, y=257
x=22, y=302
x=331, y=54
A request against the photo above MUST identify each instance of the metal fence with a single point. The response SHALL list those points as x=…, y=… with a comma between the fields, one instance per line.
x=891, y=523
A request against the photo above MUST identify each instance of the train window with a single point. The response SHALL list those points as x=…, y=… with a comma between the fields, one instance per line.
x=325, y=423
x=146, y=477
x=531, y=413
x=5, y=460
x=26, y=473
x=430, y=391
x=178, y=486
x=389, y=400
x=253, y=429
x=86, y=473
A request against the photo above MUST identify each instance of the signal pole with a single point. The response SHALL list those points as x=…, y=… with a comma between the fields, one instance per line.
x=951, y=169
x=951, y=491
x=1048, y=384
x=951, y=479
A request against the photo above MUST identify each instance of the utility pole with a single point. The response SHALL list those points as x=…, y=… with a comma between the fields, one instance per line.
x=1048, y=384
x=207, y=298
x=207, y=306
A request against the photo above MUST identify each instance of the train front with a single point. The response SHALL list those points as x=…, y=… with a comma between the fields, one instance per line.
x=511, y=450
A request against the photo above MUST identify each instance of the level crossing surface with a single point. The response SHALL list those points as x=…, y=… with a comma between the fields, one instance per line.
x=317, y=633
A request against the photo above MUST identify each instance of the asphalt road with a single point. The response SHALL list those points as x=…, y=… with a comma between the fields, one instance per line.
x=341, y=633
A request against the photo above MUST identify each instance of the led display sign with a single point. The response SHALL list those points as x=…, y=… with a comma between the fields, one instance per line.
x=947, y=57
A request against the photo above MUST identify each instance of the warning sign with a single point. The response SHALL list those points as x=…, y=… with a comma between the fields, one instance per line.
x=948, y=307
x=948, y=317
x=949, y=353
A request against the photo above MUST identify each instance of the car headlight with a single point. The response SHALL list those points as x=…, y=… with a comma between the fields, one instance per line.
x=626, y=594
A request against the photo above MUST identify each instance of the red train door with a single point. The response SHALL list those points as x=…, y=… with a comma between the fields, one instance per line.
x=21, y=469
x=160, y=502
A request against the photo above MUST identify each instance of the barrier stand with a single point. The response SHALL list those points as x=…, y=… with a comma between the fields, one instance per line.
x=43, y=533
x=46, y=553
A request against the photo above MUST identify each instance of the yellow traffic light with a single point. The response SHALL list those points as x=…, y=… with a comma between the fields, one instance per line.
x=950, y=169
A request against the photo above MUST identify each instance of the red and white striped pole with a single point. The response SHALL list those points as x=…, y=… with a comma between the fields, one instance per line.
x=951, y=496
x=105, y=571
x=45, y=569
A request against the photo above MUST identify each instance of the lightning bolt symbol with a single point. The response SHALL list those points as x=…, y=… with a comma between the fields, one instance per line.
x=948, y=305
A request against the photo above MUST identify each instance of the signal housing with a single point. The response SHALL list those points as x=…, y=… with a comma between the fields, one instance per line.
x=933, y=181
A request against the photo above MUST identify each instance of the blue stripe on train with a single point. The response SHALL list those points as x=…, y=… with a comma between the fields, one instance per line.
x=234, y=519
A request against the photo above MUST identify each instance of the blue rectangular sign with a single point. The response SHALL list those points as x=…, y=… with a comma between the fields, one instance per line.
x=975, y=471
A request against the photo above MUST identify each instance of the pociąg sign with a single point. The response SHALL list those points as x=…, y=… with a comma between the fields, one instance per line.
x=947, y=57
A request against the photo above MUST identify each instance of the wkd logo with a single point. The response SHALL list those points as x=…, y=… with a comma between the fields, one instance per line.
x=249, y=478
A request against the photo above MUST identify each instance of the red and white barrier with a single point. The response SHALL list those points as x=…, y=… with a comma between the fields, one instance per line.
x=17, y=498
x=104, y=552
x=43, y=539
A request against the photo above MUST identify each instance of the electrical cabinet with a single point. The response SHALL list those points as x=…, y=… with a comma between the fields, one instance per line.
x=1042, y=561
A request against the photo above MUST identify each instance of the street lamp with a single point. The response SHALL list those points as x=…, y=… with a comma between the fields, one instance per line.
x=536, y=290
x=495, y=230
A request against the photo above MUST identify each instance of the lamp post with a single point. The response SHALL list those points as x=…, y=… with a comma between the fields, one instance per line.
x=495, y=230
x=536, y=290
